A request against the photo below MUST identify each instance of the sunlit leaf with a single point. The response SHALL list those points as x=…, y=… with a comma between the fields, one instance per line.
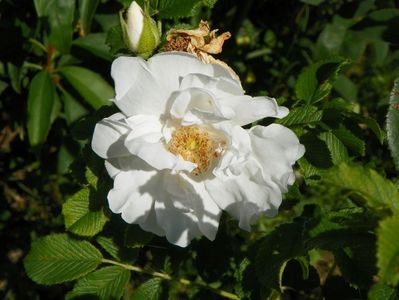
x=57, y=258
x=105, y=283
x=149, y=290
x=388, y=250
x=379, y=194
x=82, y=215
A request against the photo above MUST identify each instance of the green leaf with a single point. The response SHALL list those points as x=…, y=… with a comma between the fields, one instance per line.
x=42, y=7
x=60, y=15
x=55, y=112
x=302, y=115
x=95, y=43
x=317, y=152
x=315, y=82
x=332, y=37
x=149, y=290
x=388, y=250
x=72, y=108
x=169, y=9
x=276, y=249
x=87, y=9
x=393, y=123
x=346, y=88
x=58, y=258
x=336, y=147
x=372, y=124
x=105, y=283
x=116, y=250
x=40, y=107
x=379, y=193
x=381, y=291
x=350, y=140
x=91, y=178
x=91, y=86
x=82, y=216
x=115, y=40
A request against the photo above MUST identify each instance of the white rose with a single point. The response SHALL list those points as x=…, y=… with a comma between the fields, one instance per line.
x=178, y=154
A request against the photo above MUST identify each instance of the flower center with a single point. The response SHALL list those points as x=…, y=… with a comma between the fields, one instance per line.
x=197, y=145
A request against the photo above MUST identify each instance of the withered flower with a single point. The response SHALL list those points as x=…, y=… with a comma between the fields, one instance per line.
x=201, y=42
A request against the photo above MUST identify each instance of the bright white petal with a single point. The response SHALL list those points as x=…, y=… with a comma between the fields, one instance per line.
x=276, y=148
x=219, y=86
x=205, y=208
x=108, y=137
x=245, y=196
x=180, y=226
x=137, y=90
x=248, y=109
x=170, y=67
x=127, y=184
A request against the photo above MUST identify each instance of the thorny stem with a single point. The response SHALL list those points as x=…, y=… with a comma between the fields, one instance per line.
x=170, y=278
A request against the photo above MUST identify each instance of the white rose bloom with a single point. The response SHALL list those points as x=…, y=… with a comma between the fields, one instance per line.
x=178, y=154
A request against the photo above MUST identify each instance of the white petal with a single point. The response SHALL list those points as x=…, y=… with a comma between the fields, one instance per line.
x=205, y=208
x=219, y=86
x=180, y=227
x=137, y=90
x=197, y=105
x=248, y=109
x=170, y=67
x=276, y=148
x=128, y=187
x=245, y=197
x=108, y=137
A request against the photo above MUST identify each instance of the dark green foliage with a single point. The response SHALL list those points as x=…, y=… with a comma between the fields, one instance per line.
x=334, y=64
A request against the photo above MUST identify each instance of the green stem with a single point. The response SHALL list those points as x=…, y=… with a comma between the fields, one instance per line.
x=170, y=278
x=32, y=66
x=37, y=43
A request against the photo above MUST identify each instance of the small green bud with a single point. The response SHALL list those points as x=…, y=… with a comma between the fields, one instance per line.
x=140, y=31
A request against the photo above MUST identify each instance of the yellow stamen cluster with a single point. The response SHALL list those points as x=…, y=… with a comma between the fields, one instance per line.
x=196, y=145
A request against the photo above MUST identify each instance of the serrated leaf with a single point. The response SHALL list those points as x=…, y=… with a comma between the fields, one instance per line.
x=381, y=291
x=335, y=146
x=91, y=178
x=149, y=290
x=116, y=250
x=87, y=9
x=95, y=43
x=58, y=258
x=40, y=106
x=82, y=216
x=105, y=283
x=372, y=124
x=90, y=85
x=378, y=193
x=388, y=250
x=169, y=9
x=315, y=82
x=317, y=152
x=307, y=114
x=393, y=124
x=350, y=140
